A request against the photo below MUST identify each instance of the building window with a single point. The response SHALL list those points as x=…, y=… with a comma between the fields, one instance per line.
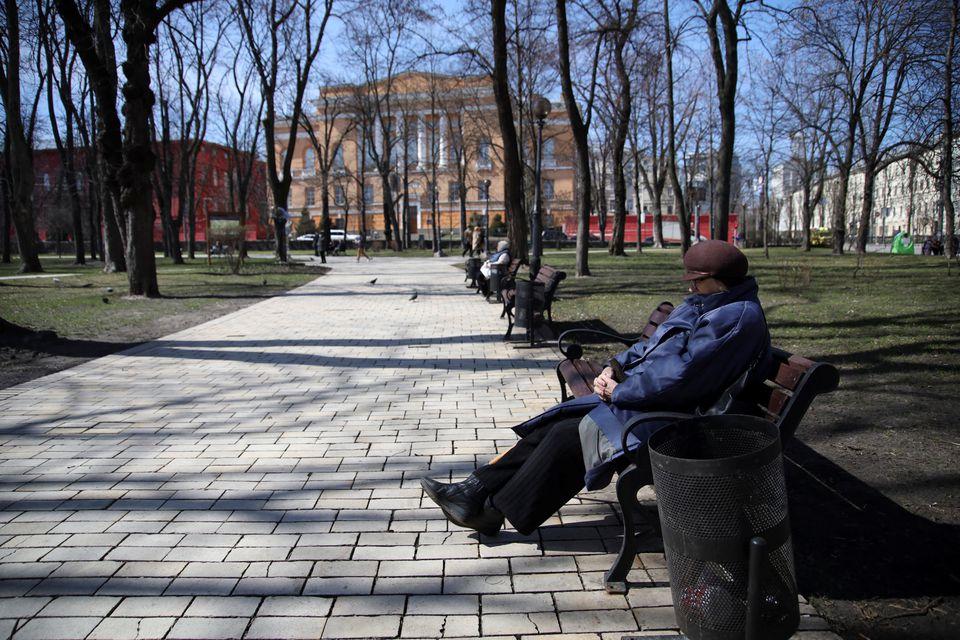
x=548, y=158
x=453, y=192
x=483, y=154
x=309, y=162
x=368, y=193
x=483, y=190
x=339, y=197
x=309, y=196
x=338, y=163
x=548, y=189
x=46, y=181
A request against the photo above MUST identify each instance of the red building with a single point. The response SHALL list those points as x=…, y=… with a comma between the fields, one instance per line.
x=671, y=227
x=214, y=170
x=212, y=189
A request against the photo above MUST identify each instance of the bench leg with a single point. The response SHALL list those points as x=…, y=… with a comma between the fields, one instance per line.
x=509, y=327
x=628, y=484
x=563, y=384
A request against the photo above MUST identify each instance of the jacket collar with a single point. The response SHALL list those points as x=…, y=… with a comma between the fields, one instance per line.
x=745, y=291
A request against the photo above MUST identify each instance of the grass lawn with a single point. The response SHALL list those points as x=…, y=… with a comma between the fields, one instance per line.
x=873, y=473
x=92, y=315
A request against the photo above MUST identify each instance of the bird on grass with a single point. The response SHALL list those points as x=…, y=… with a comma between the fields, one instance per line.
x=58, y=282
x=414, y=296
x=264, y=282
x=374, y=281
x=106, y=300
x=109, y=289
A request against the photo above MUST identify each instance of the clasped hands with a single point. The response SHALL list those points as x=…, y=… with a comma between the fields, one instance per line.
x=604, y=384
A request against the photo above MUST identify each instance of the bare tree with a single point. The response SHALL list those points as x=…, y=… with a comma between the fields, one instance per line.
x=722, y=21
x=129, y=160
x=512, y=167
x=60, y=60
x=327, y=139
x=580, y=127
x=19, y=153
x=283, y=40
x=378, y=36
x=680, y=205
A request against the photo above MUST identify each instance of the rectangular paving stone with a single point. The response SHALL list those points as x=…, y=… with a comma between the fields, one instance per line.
x=139, y=607
x=21, y=607
x=79, y=606
x=225, y=607
x=268, y=628
x=337, y=586
x=443, y=604
x=208, y=629
x=368, y=605
x=59, y=628
x=516, y=623
x=269, y=586
x=517, y=603
x=362, y=627
x=440, y=627
x=309, y=606
x=132, y=629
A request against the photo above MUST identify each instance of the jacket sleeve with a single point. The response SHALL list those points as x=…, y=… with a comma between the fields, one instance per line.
x=719, y=348
x=631, y=354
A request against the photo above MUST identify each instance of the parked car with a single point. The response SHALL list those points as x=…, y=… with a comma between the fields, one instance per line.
x=307, y=237
x=554, y=235
x=340, y=234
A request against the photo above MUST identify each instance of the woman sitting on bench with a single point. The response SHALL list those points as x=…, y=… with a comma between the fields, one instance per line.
x=718, y=336
x=495, y=261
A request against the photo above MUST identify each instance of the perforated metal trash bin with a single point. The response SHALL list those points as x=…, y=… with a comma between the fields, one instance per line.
x=473, y=271
x=722, y=499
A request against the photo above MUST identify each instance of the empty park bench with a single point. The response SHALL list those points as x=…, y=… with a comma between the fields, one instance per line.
x=550, y=278
x=783, y=397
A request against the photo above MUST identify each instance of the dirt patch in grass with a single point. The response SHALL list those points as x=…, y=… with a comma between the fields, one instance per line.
x=873, y=474
x=58, y=324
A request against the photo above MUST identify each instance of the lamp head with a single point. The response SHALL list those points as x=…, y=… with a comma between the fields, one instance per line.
x=541, y=108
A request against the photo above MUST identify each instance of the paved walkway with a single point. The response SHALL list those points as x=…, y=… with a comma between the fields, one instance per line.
x=257, y=476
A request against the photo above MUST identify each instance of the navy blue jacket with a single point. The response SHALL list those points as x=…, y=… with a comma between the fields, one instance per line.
x=702, y=348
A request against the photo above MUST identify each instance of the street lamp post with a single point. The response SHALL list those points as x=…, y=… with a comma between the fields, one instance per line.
x=486, y=216
x=541, y=111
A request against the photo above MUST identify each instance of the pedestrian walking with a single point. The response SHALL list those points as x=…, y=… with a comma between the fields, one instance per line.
x=362, y=248
x=476, y=245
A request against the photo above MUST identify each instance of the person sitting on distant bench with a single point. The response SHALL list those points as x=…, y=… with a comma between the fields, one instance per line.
x=495, y=261
x=703, y=354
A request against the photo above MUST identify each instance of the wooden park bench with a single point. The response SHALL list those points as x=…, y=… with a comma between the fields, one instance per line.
x=783, y=398
x=550, y=278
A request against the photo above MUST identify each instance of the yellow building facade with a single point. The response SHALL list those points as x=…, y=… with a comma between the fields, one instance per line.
x=429, y=130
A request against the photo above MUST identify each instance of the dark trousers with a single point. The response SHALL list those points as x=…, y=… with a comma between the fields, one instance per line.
x=540, y=474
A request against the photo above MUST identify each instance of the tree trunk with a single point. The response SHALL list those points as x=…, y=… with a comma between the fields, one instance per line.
x=20, y=154
x=806, y=215
x=7, y=228
x=512, y=169
x=678, y=201
x=946, y=162
x=580, y=131
x=866, y=211
x=136, y=191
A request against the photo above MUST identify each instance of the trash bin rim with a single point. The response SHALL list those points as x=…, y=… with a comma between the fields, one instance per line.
x=709, y=466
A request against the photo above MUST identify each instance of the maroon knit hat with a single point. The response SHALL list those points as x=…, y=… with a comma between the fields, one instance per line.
x=717, y=259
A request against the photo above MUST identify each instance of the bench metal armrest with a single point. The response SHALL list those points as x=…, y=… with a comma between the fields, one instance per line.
x=649, y=417
x=575, y=351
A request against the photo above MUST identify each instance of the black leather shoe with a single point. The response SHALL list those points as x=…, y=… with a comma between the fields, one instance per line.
x=465, y=504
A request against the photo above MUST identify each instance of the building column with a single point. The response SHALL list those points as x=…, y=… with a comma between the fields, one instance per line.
x=442, y=159
x=421, y=143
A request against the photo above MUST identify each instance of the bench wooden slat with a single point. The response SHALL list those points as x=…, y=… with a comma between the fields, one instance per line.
x=789, y=375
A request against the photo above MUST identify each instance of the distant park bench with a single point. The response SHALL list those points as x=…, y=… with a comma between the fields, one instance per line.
x=550, y=278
